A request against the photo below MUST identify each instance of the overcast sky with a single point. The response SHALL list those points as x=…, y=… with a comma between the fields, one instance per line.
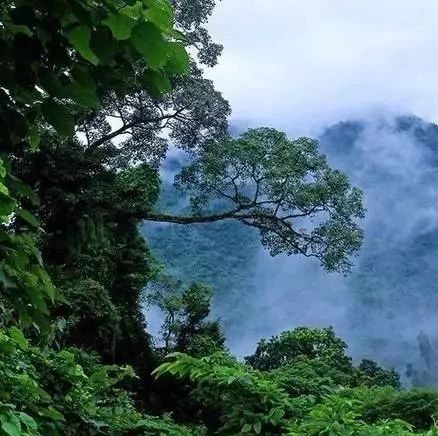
x=302, y=64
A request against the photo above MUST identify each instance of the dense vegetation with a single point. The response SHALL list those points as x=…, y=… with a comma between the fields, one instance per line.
x=92, y=92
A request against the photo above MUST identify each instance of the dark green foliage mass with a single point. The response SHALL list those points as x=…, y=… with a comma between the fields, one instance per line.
x=301, y=342
x=185, y=328
x=277, y=186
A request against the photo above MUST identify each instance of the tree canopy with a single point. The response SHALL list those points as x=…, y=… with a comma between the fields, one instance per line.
x=284, y=188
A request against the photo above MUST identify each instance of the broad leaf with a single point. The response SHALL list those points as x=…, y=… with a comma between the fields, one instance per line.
x=80, y=38
x=178, y=58
x=23, y=189
x=34, y=137
x=83, y=93
x=51, y=83
x=121, y=25
x=18, y=337
x=57, y=115
x=18, y=28
x=160, y=13
x=52, y=414
x=257, y=427
x=28, y=421
x=7, y=203
x=156, y=83
x=10, y=424
x=149, y=42
x=27, y=216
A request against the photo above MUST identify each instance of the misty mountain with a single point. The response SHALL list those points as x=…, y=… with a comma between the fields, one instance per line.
x=390, y=297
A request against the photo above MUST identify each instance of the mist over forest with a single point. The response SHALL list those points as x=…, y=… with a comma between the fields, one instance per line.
x=382, y=307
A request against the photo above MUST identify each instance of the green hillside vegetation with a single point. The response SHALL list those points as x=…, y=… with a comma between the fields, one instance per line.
x=91, y=91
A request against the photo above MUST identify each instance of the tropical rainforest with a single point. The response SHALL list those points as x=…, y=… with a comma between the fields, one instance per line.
x=95, y=95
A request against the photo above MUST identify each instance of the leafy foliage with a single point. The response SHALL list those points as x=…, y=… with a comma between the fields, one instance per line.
x=280, y=350
x=75, y=61
x=339, y=416
x=185, y=328
x=250, y=403
x=278, y=186
x=88, y=400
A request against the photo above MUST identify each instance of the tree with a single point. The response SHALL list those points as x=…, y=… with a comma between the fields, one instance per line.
x=369, y=373
x=139, y=128
x=247, y=401
x=284, y=349
x=79, y=51
x=185, y=328
x=185, y=109
x=282, y=187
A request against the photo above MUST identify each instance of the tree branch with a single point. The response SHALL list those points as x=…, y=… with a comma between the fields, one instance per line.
x=132, y=124
x=192, y=219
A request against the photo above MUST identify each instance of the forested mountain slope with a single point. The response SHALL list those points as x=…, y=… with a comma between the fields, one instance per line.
x=395, y=279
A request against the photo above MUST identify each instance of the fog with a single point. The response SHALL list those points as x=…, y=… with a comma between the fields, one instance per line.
x=392, y=292
x=347, y=73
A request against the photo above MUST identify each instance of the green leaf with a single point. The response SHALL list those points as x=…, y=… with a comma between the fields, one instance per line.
x=178, y=58
x=23, y=189
x=80, y=38
x=28, y=421
x=50, y=83
x=105, y=46
x=179, y=36
x=83, y=93
x=121, y=25
x=52, y=414
x=134, y=10
x=57, y=115
x=160, y=13
x=18, y=337
x=149, y=42
x=7, y=348
x=7, y=203
x=7, y=283
x=34, y=137
x=2, y=169
x=27, y=216
x=257, y=427
x=18, y=28
x=156, y=83
x=277, y=414
x=246, y=428
x=10, y=424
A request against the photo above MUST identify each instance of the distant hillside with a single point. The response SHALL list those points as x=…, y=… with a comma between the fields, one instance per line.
x=392, y=294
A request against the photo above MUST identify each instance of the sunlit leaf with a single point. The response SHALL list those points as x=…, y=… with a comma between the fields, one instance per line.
x=160, y=13
x=10, y=424
x=80, y=38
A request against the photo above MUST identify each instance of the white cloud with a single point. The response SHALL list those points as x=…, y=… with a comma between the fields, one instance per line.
x=298, y=64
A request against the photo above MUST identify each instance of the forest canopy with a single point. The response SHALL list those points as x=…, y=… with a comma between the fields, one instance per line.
x=93, y=94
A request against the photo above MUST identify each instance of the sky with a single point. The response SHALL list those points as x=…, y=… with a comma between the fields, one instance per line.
x=302, y=65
